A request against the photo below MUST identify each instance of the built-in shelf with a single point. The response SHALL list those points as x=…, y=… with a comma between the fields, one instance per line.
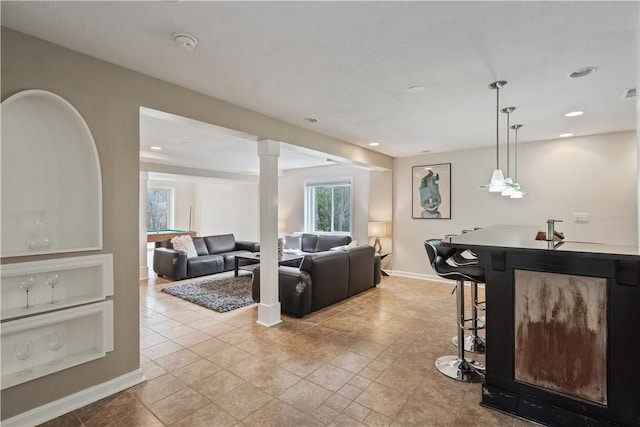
x=80, y=280
x=86, y=333
x=51, y=179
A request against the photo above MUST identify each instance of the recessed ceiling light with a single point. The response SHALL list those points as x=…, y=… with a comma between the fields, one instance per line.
x=574, y=114
x=185, y=40
x=582, y=72
x=374, y=144
x=156, y=148
x=310, y=120
x=565, y=135
x=415, y=89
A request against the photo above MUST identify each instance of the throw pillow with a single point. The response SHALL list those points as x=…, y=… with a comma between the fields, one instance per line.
x=184, y=243
x=292, y=241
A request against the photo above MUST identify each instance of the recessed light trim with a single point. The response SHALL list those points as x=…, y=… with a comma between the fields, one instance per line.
x=374, y=144
x=574, y=114
x=311, y=120
x=565, y=135
x=155, y=148
x=185, y=40
x=582, y=72
x=415, y=89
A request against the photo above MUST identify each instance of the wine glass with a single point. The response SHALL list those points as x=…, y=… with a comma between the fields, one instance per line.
x=55, y=341
x=26, y=283
x=22, y=351
x=52, y=280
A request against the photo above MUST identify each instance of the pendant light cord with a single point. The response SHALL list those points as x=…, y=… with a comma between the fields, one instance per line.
x=497, y=127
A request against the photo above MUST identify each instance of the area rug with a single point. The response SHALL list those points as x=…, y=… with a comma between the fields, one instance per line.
x=219, y=294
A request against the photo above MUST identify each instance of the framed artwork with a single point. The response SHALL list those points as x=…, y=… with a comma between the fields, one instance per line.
x=431, y=190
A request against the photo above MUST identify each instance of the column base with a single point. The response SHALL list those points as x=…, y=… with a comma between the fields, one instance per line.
x=269, y=314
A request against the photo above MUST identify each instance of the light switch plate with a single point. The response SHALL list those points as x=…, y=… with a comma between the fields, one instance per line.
x=581, y=217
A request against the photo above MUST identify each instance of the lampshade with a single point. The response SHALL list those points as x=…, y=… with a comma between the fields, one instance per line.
x=377, y=229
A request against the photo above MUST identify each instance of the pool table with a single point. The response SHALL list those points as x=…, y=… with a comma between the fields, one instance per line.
x=162, y=235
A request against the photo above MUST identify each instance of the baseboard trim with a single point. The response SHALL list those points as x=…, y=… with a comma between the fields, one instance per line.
x=429, y=277
x=144, y=273
x=51, y=410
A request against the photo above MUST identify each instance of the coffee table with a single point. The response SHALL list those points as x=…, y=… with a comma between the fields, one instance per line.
x=252, y=260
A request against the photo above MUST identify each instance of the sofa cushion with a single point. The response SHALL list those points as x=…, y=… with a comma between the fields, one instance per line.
x=292, y=241
x=201, y=247
x=203, y=265
x=328, y=241
x=308, y=242
x=329, y=273
x=185, y=244
x=221, y=243
x=361, y=268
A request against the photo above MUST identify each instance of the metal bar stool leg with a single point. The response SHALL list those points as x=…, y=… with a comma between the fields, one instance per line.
x=457, y=367
x=473, y=343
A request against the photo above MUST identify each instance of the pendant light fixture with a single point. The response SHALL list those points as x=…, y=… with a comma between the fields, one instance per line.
x=497, y=178
x=517, y=192
x=508, y=182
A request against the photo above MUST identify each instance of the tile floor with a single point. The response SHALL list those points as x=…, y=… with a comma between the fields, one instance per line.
x=367, y=361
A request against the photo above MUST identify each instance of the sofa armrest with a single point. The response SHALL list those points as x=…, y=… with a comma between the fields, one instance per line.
x=294, y=288
x=243, y=245
x=170, y=263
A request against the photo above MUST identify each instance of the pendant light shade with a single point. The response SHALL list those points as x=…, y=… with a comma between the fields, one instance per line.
x=497, y=178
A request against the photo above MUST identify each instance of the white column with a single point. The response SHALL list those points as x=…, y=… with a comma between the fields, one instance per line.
x=269, y=306
x=142, y=225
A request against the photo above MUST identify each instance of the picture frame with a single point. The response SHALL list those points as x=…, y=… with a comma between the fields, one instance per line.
x=431, y=191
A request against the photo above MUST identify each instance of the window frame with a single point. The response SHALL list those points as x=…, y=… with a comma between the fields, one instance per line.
x=171, y=208
x=310, y=204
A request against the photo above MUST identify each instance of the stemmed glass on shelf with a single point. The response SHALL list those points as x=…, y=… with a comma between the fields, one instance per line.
x=52, y=280
x=55, y=341
x=27, y=282
x=22, y=351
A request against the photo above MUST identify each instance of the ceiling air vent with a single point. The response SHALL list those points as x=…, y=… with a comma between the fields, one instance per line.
x=629, y=93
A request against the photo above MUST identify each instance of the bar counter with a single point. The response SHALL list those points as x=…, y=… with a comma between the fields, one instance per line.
x=562, y=327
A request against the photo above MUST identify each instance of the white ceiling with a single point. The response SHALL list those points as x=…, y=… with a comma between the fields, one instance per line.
x=349, y=64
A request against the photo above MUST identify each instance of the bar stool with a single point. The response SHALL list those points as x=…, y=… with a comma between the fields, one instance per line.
x=473, y=343
x=456, y=367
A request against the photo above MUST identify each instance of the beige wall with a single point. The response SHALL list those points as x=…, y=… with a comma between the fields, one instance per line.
x=594, y=174
x=109, y=98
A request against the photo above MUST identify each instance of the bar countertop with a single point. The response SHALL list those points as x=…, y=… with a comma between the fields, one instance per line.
x=523, y=237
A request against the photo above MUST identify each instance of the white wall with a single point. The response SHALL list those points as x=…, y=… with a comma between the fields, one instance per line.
x=222, y=208
x=291, y=196
x=594, y=174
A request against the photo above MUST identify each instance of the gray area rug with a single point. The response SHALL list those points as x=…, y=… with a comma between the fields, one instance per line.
x=219, y=294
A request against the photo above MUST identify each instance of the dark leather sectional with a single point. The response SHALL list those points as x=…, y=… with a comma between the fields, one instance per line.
x=324, y=278
x=215, y=255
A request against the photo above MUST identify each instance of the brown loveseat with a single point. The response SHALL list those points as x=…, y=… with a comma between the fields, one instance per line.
x=324, y=278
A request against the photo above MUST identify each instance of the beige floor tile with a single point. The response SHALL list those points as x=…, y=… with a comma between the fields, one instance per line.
x=177, y=331
x=357, y=411
x=156, y=389
x=229, y=357
x=159, y=350
x=219, y=384
x=196, y=371
x=140, y=417
x=343, y=420
x=209, y=416
x=243, y=401
x=330, y=377
x=192, y=338
x=67, y=420
x=382, y=399
x=376, y=419
x=210, y=347
x=152, y=370
x=178, y=405
x=350, y=361
x=278, y=414
x=218, y=329
x=401, y=379
x=177, y=360
x=301, y=365
x=305, y=396
x=151, y=339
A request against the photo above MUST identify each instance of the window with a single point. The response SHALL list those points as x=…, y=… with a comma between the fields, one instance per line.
x=328, y=206
x=159, y=208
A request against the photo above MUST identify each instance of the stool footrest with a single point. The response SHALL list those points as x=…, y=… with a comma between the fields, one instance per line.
x=463, y=370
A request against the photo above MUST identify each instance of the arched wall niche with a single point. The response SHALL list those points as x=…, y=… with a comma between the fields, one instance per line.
x=51, y=178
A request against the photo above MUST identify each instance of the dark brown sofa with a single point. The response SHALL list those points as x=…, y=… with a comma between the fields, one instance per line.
x=324, y=278
x=215, y=255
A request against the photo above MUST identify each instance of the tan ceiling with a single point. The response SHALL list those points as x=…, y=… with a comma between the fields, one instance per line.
x=349, y=64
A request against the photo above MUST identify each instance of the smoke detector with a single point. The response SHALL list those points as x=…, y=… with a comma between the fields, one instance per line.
x=185, y=41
